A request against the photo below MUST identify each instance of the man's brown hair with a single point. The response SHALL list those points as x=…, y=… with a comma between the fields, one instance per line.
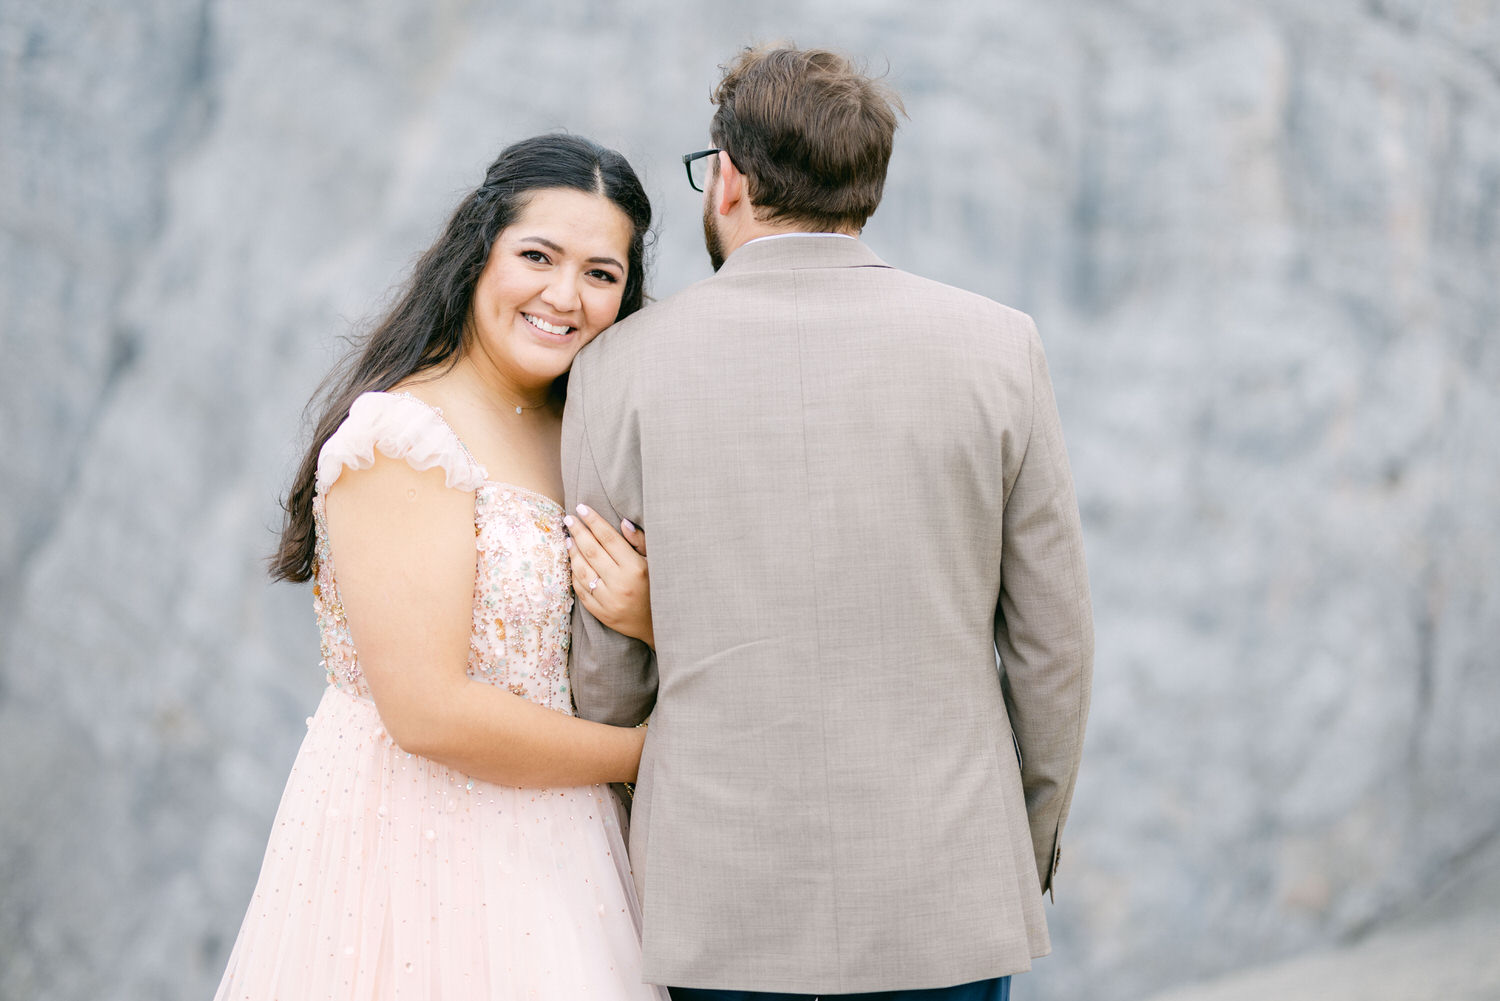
x=810, y=132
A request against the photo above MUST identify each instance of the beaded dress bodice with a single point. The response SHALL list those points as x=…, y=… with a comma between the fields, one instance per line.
x=523, y=596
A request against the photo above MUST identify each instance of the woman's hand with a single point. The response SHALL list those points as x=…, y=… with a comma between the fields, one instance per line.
x=610, y=575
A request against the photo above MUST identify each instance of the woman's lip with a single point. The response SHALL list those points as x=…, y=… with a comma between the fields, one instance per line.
x=536, y=320
x=532, y=319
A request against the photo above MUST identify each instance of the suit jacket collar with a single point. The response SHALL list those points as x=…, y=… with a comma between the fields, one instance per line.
x=790, y=253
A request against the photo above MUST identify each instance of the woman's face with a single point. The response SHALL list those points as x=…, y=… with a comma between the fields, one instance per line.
x=553, y=280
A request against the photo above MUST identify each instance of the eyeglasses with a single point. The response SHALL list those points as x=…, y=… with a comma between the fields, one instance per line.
x=698, y=166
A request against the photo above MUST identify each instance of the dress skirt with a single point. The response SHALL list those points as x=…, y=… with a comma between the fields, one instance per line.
x=389, y=876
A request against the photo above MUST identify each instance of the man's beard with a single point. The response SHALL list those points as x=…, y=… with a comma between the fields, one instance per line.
x=711, y=238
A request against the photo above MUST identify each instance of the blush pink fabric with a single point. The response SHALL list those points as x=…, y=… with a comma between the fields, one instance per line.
x=389, y=876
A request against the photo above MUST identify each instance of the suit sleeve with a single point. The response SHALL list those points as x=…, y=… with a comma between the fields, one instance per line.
x=1044, y=629
x=613, y=676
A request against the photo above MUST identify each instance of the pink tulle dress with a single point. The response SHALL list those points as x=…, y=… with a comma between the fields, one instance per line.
x=392, y=876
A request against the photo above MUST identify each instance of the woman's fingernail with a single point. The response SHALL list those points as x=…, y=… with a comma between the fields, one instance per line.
x=569, y=542
x=629, y=525
x=568, y=520
x=583, y=510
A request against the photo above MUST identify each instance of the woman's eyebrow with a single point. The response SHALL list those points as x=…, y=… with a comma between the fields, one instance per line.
x=559, y=250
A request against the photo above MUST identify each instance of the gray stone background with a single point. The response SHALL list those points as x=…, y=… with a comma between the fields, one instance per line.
x=1262, y=243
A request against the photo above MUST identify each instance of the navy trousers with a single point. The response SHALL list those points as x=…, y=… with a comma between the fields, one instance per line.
x=979, y=990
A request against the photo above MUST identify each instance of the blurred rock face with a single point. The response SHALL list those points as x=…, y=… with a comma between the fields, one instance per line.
x=1261, y=243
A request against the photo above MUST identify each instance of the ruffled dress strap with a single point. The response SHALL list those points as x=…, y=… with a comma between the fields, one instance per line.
x=401, y=427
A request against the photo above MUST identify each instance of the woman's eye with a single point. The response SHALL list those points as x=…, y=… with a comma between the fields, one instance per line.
x=604, y=276
x=534, y=255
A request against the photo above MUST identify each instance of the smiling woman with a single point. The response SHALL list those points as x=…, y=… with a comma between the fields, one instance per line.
x=445, y=831
x=434, y=321
x=553, y=280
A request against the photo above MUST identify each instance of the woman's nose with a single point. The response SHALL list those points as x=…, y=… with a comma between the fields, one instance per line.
x=562, y=292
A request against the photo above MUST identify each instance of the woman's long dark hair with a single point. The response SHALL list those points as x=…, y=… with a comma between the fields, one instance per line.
x=428, y=326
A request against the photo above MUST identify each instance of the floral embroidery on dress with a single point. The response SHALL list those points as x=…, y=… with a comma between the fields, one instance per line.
x=523, y=596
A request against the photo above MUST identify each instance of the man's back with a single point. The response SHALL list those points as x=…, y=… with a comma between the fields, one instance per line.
x=836, y=464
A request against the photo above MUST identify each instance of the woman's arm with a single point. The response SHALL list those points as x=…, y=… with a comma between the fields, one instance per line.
x=403, y=545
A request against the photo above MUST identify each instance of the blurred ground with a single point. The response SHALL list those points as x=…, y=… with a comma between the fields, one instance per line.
x=1446, y=949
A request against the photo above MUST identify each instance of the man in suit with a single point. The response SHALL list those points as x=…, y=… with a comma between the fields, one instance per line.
x=856, y=493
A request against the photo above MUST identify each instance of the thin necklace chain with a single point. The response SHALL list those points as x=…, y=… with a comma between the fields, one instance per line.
x=519, y=409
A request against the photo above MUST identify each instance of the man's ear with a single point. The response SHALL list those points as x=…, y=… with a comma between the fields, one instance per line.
x=731, y=185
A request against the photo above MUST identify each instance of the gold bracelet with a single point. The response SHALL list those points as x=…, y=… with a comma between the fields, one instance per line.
x=630, y=786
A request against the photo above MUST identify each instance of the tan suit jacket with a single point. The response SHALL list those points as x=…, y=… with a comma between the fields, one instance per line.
x=855, y=490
